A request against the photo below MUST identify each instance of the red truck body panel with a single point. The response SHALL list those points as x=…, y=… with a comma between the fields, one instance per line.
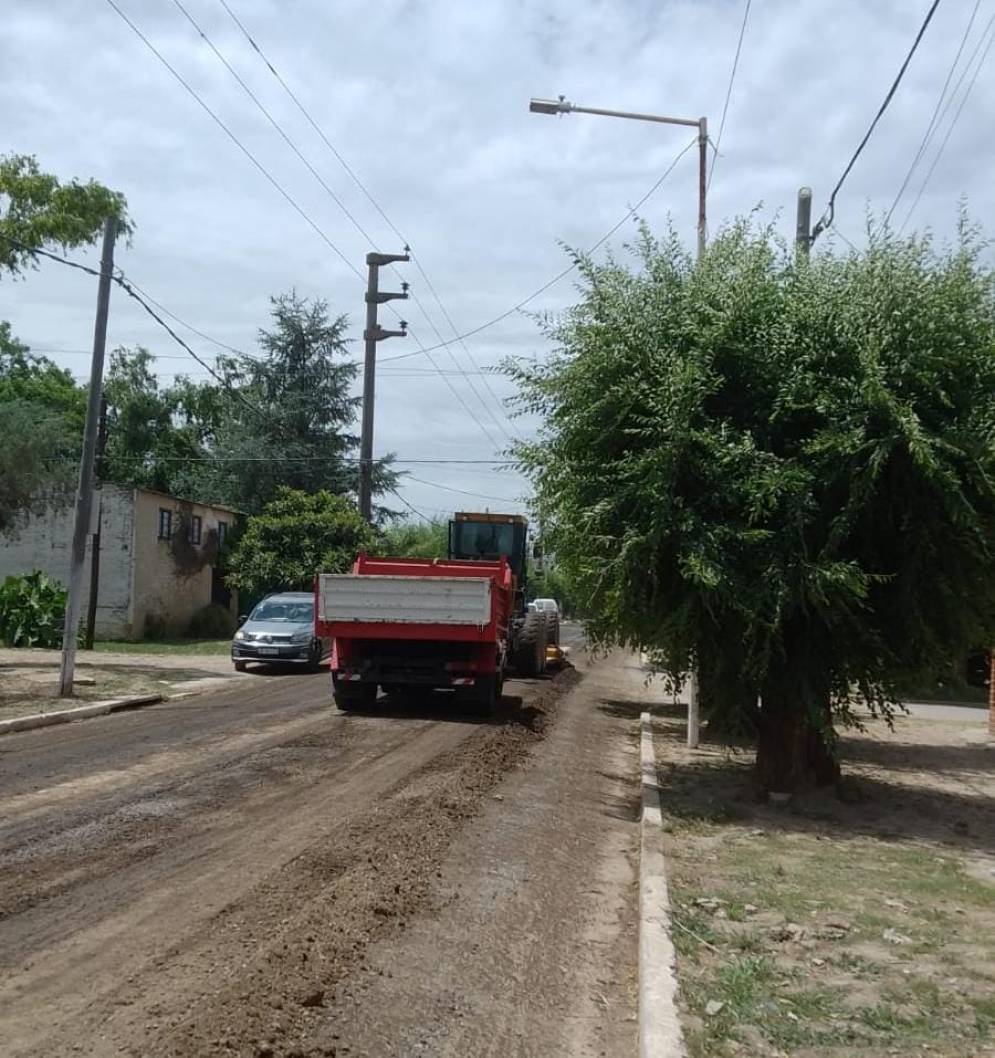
x=439, y=654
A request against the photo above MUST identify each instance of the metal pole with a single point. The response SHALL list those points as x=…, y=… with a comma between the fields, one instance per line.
x=98, y=473
x=369, y=386
x=694, y=712
x=803, y=226
x=84, y=495
x=702, y=182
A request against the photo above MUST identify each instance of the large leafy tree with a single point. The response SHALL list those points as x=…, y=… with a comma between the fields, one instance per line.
x=41, y=422
x=289, y=414
x=295, y=536
x=156, y=436
x=780, y=472
x=38, y=210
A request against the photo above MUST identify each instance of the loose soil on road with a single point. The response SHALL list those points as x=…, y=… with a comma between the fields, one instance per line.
x=257, y=874
x=832, y=928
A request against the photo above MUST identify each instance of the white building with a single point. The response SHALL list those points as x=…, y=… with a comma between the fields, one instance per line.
x=156, y=558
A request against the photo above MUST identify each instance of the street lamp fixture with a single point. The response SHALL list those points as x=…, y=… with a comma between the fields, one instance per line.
x=564, y=106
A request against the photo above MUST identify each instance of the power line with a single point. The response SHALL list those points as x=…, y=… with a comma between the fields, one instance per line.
x=283, y=192
x=130, y=290
x=566, y=271
x=953, y=123
x=464, y=492
x=411, y=508
x=238, y=143
x=931, y=127
x=732, y=79
x=488, y=407
x=827, y=217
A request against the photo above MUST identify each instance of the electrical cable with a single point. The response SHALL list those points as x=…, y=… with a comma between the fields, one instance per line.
x=566, y=271
x=725, y=106
x=464, y=492
x=827, y=217
x=238, y=143
x=286, y=195
x=487, y=406
x=931, y=127
x=953, y=123
x=410, y=507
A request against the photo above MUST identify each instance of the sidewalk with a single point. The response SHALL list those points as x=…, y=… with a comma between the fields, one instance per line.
x=846, y=925
x=29, y=678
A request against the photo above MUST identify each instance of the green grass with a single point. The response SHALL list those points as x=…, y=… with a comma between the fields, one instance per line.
x=178, y=647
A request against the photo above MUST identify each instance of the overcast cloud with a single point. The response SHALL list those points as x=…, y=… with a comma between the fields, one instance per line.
x=428, y=102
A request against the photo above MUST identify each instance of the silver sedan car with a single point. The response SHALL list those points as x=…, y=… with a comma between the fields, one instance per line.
x=280, y=630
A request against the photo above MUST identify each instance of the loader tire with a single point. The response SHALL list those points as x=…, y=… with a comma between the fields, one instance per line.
x=530, y=646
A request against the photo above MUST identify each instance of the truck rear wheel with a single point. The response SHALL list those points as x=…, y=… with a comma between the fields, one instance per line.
x=530, y=646
x=354, y=695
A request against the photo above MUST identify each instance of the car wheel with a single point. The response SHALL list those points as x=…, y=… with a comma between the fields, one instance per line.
x=240, y=666
x=314, y=665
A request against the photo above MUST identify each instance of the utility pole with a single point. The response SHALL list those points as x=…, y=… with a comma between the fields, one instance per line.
x=98, y=474
x=803, y=227
x=84, y=494
x=702, y=184
x=374, y=333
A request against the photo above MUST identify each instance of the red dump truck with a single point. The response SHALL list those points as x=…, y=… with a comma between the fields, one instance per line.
x=404, y=624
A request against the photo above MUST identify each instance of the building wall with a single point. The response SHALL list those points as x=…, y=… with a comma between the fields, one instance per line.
x=45, y=541
x=163, y=591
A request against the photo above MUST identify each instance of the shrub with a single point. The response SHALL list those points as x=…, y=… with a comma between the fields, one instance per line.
x=211, y=622
x=32, y=611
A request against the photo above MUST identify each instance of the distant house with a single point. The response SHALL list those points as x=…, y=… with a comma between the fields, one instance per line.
x=157, y=558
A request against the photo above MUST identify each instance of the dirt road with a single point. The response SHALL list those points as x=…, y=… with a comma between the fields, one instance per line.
x=253, y=873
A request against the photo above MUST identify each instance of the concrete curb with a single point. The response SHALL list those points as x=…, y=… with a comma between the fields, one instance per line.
x=659, y=1024
x=82, y=712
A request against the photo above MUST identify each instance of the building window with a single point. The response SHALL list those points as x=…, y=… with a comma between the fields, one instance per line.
x=195, y=528
x=165, y=523
x=222, y=533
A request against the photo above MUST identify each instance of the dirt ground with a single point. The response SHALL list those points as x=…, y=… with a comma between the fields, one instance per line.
x=29, y=679
x=406, y=882
x=853, y=925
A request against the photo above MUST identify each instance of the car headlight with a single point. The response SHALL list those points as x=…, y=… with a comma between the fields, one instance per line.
x=302, y=637
x=240, y=634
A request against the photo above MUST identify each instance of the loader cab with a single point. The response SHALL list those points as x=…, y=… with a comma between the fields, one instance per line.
x=489, y=536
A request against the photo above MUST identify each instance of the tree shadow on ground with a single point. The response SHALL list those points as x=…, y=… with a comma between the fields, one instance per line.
x=878, y=797
x=162, y=673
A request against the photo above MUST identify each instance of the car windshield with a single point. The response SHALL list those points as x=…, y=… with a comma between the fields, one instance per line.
x=283, y=610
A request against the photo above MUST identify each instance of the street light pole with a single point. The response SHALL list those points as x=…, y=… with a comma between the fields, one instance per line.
x=563, y=106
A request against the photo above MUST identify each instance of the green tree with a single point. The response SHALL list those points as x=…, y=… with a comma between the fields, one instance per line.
x=295, y=536
x=37, y=380
x=41, y=423
x=38, y=210
x=780, y=472
x=300, y=437
x=416, y=539
x=36, y=468
x=155, y=435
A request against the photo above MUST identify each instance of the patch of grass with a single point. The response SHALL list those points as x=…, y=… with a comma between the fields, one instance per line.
x=178, y=647
x=692, y=931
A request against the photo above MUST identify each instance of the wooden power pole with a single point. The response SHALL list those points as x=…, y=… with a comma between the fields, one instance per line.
x=374, y=333
x=98, y=473
x=84, y=494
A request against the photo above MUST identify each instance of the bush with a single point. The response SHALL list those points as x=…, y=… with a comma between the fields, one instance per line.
x=211, y=622
x=32, y=611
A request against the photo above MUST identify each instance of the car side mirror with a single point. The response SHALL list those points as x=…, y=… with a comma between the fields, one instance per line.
x=242, y=618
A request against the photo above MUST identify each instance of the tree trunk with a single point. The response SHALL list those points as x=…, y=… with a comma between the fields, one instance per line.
x=821, y=750
x=782, y=748
x=795, y=748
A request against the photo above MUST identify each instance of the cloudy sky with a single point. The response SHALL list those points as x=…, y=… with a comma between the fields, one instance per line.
x=427, y=102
